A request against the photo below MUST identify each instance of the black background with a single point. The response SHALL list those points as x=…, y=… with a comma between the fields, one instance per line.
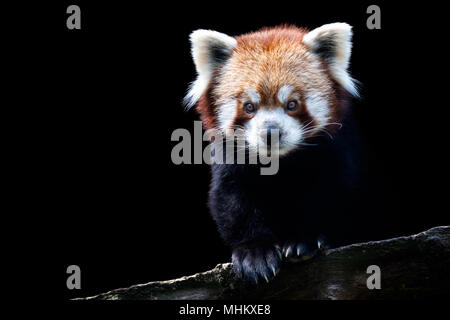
x=115, y=204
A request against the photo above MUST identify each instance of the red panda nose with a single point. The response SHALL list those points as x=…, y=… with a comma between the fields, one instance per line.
x=271, y=130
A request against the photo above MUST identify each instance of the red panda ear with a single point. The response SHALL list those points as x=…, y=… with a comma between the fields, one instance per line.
x=209, y=49
x=333, y=43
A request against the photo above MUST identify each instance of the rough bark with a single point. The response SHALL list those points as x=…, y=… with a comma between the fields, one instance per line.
x=416, y=266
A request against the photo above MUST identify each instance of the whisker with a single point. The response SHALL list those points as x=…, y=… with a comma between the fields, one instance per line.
x=335, y=123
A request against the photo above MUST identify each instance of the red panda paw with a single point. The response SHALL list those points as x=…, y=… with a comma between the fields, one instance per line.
x=255, y=261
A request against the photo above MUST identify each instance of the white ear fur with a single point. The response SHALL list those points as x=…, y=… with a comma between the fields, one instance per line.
x=334, y=43
x=209, y=49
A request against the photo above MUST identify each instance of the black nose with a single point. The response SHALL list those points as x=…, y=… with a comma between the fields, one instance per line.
x=271, y=130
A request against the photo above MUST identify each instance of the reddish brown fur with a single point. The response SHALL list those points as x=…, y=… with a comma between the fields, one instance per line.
x=205, y=109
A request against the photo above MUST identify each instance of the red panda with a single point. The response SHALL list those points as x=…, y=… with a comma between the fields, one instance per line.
x=293, y=81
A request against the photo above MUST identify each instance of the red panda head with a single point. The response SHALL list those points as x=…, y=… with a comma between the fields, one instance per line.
x=284, y=78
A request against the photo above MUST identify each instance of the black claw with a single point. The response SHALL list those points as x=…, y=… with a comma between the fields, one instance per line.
x=289, y=249
x=279, y=253
x=322, y=243
x=273, y=261
x=301, y=249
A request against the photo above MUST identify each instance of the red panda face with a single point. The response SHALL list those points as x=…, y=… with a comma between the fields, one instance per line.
x=284, y=81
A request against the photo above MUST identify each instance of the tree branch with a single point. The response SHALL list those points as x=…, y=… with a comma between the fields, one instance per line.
x=416, y=266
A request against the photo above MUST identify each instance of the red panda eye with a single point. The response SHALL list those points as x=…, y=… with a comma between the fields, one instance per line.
x=292, y=105
x=249, y=108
